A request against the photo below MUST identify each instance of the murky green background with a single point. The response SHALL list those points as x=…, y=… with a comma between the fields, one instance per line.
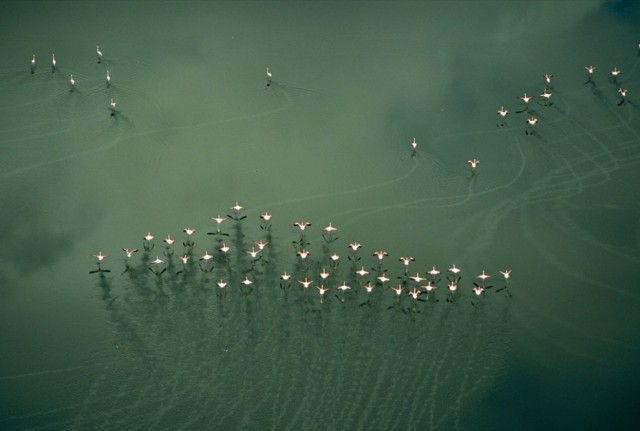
x=197, y=130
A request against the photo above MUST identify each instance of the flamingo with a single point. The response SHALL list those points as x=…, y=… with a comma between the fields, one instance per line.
x=406, y=260
x=483, y=276
x=368, y=287
x=100, y=257
x=129, y=251
x=398, y=290
x=322, y=290
x=99, y=54
x=415, y=293
x=306, y=282
x=417, y=278
x=473, y=163
x=285, y=276
x=503, y=114
x=302, y=225
x=261, y=245
x=380, y=254
x=433, y=272
x=546, y=96
x=362, y=272
x=324, y=274
x=383, y=278
x=506, y=274
x=526, y=99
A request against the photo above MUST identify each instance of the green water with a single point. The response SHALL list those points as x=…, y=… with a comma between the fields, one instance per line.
x=196, y=129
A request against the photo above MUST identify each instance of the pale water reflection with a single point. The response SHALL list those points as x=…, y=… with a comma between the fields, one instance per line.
x=387, y=121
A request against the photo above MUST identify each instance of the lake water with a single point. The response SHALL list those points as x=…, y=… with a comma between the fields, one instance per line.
x=197, y=130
